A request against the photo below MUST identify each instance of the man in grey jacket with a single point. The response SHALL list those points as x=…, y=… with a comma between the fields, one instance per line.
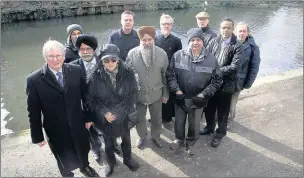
x=150, y=64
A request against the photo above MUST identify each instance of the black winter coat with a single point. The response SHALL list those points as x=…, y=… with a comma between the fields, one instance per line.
x=70, y=54
x=229, y=61
x=62, y=116
x=121, y=101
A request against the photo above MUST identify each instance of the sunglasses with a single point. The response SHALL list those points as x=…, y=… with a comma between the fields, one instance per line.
x=108, y=60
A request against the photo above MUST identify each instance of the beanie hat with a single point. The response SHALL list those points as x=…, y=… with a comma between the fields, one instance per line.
x=72, y=28
x=89, y=40
x=150, y=30
x=195, y=32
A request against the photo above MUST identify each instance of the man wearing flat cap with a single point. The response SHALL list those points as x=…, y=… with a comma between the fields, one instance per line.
x=193, y=76
x=202, y=20
x=112, y=96
x=71, y=51
x=150, y=63
x=86, y=45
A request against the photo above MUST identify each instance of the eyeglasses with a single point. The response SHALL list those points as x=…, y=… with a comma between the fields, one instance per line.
x=52, y=57
x=108, y=60
x=164, y=24
x=85, y=49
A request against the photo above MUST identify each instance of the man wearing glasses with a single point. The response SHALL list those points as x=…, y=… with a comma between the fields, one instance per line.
x=56, y=91
x=170, y=44
x=86, y=45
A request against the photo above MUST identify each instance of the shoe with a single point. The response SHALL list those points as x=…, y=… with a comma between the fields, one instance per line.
x=108, y=170
x=131, y=164
x=89, y=172
x=175, y=144
x=205, y=131
x=157, y=143
x=190, y=150
x=216, y=142
x=140, y=143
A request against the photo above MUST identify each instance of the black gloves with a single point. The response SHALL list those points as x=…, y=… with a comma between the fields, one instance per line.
x=132, y=119
x=180, y=100
x=200, y=102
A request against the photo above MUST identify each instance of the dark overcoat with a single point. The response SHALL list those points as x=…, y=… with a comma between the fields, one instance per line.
x=58, y=110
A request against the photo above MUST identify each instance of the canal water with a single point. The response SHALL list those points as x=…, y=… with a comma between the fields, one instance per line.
x=278, y=32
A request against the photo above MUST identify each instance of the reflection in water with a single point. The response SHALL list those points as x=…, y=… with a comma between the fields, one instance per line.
x=278, y=32
x=4, y=114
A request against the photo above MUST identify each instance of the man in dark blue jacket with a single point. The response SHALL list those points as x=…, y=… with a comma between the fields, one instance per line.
x=126, y=37
x=249, y=67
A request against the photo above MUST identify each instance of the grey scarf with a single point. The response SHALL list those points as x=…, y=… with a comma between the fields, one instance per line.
x=112, y=75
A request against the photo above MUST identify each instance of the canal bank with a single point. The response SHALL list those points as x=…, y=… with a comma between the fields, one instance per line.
x=265, y=140
x=15, y=11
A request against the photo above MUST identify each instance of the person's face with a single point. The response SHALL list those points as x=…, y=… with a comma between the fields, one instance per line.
x=110, y=63
x=202, y=22
x=86, y=52
x=54, y=59
x=196, y=44
x=147, y=41
x=127, y=21
x=226, y=29
x=242, y=32
x=166, y=26
x=74, y=35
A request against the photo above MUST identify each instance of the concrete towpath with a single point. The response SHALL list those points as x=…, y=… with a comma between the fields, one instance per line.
x=266, y=139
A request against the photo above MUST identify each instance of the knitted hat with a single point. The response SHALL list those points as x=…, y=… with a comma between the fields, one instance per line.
x=72, y=28
x=195, y=32
x=89, y=40
x=150, y=30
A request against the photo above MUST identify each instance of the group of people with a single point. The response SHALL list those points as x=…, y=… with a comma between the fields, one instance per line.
x=81, y=96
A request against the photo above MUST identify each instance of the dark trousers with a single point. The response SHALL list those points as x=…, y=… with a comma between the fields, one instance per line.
x=168, y=111
x=95, y=140
x=110, y=142
x=194, y=118
x=220, y=102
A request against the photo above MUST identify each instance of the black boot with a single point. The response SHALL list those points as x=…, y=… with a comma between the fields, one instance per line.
x=131, y=164
x=89, y=172
x=205, y=131
x=216, y=142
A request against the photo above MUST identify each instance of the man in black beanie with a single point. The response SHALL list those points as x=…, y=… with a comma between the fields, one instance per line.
x=193, y=76
x=71, y=52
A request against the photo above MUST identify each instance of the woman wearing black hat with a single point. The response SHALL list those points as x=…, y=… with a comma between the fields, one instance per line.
x=112, y=95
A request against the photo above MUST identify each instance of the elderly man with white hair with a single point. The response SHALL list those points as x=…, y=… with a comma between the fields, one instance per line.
x=54, y=95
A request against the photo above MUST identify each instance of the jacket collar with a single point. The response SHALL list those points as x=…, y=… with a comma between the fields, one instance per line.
x=232, y=41
x=51, y=79
x=121, y=34
x=201, y=57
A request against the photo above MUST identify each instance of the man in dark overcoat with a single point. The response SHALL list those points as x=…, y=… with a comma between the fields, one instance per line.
x=54, y=95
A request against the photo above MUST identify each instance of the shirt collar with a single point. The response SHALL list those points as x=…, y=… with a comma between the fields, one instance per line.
x=227, y=41
x=54, y=71
x=93, y=61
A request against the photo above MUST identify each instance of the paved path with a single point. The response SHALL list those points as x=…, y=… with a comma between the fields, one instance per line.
x=265, y=140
